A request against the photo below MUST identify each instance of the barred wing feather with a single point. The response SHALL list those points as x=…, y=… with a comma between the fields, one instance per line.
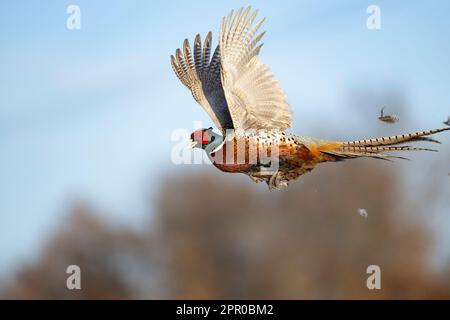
x=201, y=75
x=254, y=97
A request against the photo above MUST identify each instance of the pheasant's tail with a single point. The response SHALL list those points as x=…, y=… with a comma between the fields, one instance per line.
x=376, y=147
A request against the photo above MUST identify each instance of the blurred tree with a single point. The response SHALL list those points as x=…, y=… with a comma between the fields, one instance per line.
x=214, y=237
x=233, y=241
x=114, y=262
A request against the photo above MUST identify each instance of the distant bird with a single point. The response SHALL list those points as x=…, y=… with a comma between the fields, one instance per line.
x=393, y=118
x=245, y=101
x=447, y=122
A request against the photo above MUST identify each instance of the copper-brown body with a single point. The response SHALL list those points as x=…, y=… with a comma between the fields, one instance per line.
x=275, y=158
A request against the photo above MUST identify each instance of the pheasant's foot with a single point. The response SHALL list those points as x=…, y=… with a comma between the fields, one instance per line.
x=256, y=179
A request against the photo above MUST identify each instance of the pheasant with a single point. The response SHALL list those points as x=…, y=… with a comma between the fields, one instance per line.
x=246, y=103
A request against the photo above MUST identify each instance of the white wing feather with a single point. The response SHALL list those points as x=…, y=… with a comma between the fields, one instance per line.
x=254, y=97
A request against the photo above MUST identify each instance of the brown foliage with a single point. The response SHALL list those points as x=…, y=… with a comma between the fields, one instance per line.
x=235, y=241
x=214, y=237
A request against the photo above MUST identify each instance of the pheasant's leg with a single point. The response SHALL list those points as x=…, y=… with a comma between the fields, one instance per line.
x=272, y=182
x=277, y=181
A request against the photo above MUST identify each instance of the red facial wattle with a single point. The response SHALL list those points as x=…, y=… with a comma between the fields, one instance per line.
x=201, y=136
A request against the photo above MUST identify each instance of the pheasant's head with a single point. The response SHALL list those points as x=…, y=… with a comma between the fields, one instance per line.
x=202, y=138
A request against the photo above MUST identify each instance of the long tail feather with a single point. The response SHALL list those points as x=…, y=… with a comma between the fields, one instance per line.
x=375, y=148
x=393, y=140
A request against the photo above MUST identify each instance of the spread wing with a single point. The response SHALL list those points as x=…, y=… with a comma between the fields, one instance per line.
x=254, y=97
x=202, y=76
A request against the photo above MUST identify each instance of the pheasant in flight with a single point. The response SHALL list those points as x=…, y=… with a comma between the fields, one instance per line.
x=245, y=101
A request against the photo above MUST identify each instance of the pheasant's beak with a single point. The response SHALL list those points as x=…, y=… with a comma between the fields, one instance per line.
x=191, y=144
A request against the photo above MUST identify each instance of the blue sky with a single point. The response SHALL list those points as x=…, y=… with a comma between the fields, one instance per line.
x=87, y=114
